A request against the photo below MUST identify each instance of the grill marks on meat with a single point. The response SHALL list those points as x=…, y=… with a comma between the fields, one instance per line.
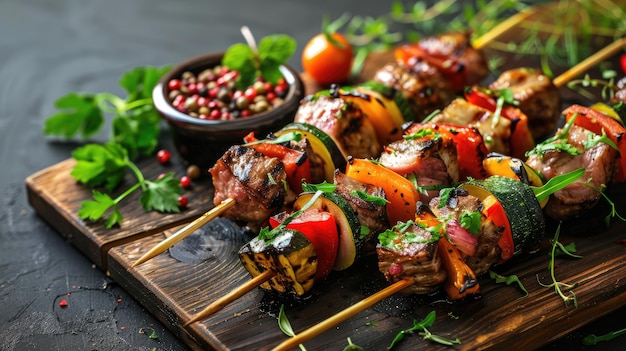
x=600, y=163
x=432, y=160
x=413, y=256
x=487, y=251
x=344, y=122
x=423, y=86
x=539, y=98
x=254, y=181
x=461, y=112
x=370, y=215
x=461, y=63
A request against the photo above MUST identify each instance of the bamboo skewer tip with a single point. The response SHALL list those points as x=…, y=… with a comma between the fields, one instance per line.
x=343, y=315
x=185, y=231
x=225, y=300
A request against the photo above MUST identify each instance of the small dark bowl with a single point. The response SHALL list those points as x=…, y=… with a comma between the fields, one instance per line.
x=202, y=142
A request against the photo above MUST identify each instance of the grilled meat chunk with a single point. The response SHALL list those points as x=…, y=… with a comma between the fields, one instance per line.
x=453, y=54
x=344, y=122
x=496, y=135
x=370, y=215
x=422, y=85
x=487, y=250
x=254, y=181
x=432, y=160
x=538, y=97
x=600, y=163
x=410, y=252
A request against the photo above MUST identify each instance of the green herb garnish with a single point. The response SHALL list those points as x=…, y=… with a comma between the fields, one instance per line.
x=508, y=280
x=421, y=327
x=285, y=325
x=105, y=165
x=135, y=123
x=592, y=339
x=264, y=60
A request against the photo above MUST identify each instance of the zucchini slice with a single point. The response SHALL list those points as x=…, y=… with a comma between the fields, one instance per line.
x=290, y=254
x=521, y=206
x=323, y=146
x=348, y=226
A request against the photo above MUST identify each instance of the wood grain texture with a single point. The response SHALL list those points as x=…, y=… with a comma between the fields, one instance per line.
x=56, y=197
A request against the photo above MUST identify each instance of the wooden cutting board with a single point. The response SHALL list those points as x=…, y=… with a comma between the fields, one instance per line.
x=174, y=288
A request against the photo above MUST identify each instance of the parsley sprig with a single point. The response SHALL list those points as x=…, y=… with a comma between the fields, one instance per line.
x=135, y=122
x=105, y=165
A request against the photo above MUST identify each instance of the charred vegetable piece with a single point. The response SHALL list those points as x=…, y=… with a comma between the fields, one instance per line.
x=514, y=168
x=400, y=192
x=521, y=207
x=327, y=154
x=288, y=253
x=321, y=229
x=348, y=226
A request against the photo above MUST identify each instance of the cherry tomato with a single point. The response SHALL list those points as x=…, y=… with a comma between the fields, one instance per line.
x=321, y=230
x=327, y=58
x=622, y=61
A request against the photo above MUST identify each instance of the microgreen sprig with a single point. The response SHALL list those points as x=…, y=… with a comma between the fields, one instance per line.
x=508, y=280
x=592, y=339
x=564, y=290
x=422, y=326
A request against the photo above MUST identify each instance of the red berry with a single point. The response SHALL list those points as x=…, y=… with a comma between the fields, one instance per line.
x=185, y=181
x=163, y=156
x=174, y=84
x=182, y=202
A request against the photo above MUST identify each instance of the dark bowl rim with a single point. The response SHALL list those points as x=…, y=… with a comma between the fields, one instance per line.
x=167, y=111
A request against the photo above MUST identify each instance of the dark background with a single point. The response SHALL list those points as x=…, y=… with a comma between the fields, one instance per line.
x=50, y=48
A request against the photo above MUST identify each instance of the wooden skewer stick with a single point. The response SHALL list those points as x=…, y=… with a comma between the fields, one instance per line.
x=343, y=315
x=185, y=231
x=502, y=27
x=232, y=296
x=591, y=61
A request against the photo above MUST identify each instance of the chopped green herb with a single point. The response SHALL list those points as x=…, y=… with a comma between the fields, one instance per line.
x=285, y=326
x=508, y=280
x=422, y=326
x=470, y=220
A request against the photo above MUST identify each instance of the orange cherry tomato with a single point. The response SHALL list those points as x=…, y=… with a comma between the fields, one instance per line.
x=327, y=58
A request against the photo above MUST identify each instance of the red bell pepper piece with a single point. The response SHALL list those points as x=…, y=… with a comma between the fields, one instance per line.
x=297, y=165
x=521, y=139
x=595, y=121
x=470, y=147
x=320, y=228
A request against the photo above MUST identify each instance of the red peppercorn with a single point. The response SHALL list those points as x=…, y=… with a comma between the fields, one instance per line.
x=182, y=202
x=250, y=94
x=245, y=113
x=185, y=181
x=174, y=84
x=63, y=303
x=192, y=88
x=163, y=156
x=215, y=114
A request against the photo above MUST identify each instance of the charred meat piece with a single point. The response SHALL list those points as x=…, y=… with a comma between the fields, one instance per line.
x=495, y=135
x=487, y=252
x=422, y=85
x=538, y=98
x=254, y=181
x=432, y=159
x=452, y=53
x=408, y=251
x=370, y=215
x=600, y=162
x=344, y=122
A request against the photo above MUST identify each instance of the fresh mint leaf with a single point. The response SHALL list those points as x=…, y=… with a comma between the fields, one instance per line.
x=79, y=113
x=277, y=48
